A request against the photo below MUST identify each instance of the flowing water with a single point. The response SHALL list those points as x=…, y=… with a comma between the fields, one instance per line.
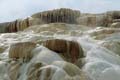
x=101, y=63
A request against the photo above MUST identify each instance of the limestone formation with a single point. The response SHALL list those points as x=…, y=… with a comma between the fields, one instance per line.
x=13, y=70
x=33, y=72
x=116, y=20
x=115, y=25
x=62, y=15
x=70, y=50
x=93, y=20
x=88, y=20
x=106, y=20
x=113, y=46
x=103, y=33
x=2, y=49
x=114, y=14
x=17, y=25
x=4, y=27
x=59, y=70
x=21, y=50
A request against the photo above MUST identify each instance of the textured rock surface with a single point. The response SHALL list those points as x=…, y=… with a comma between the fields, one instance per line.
x=21, y=50
x=114, y=14
x=13, y=70
x=104, y=33
x=70, y=50
x=88, y=20
x=62, y=15
x=59, y=54
x=59, y=70
x=115, y=25
x=17, y=25
x=58, y=15
x=113, y=46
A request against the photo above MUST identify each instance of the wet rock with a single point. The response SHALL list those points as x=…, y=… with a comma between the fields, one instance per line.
x=115, y=25
x=2, y=49
x=3, y=70
x=113, y=46
x=80, y=62
x=116, y=20
x=59, y=70
x=13, y=70
x=104, y=33
x=21, y=50
x=44, y=55
x=69, y=50
x=93, y=20
x=33, y=71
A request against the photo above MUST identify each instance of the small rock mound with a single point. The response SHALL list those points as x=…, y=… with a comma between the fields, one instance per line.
x=21, y=50
x=70, y=50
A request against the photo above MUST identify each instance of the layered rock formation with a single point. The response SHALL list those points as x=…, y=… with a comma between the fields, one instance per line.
x=14, y=26
x=59, y=15
x=113, y=46
x=61, y=44
x=62, y=15
x=13, y=72
x=21, y=50
x=66, y=70
x=70, y=50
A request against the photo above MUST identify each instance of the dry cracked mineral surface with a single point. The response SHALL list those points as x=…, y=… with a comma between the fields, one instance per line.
x=61, y=44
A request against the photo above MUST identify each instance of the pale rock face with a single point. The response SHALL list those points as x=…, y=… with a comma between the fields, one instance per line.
x=115, y=25
x=88, y=20
x=45, y=65
x=21, y=50
x=93, y=20
x=13, y=70
x=59, y=70
x=35, y=21
x=2, y=49
x=113, y=46
x=104, y=33
x=33, y=72
x=3, y=70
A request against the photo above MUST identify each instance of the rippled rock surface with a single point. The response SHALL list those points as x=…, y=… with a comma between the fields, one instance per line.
x=61, y=44
x=70, y=50
x=21, y=50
